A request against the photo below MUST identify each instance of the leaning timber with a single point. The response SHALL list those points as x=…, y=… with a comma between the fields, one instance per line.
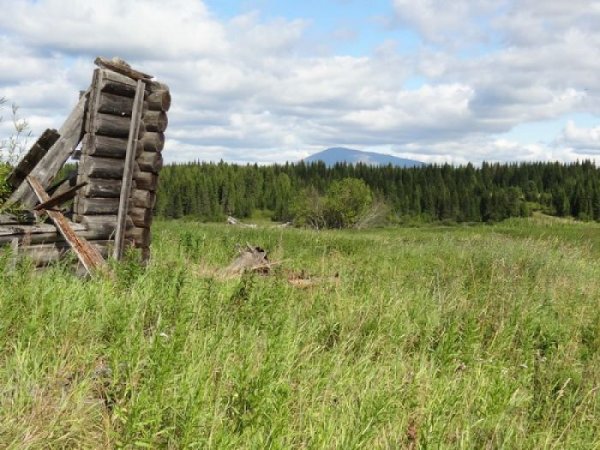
x=120, y=122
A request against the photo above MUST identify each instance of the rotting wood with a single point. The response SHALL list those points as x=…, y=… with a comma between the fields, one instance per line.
x=89, y=256
x=120, y=66
x=60, y=198
x=47, y=168
x=26, y=239
x=111, y=147
x=128, y=171
x=115, y=126
x=33, y=156
x=104, y=225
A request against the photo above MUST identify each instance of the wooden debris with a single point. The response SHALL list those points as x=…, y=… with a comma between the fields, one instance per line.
x=60, y=198
x=250, y=259
x=88, y=255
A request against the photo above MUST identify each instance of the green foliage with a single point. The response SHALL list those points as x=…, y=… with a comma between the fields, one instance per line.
x=447, y=194
x=451, y=337
x=346, y=202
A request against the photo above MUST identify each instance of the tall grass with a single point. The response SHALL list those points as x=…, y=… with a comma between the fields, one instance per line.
x=480, y=337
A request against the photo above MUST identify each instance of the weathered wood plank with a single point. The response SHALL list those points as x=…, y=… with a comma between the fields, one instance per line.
x=121, y=67
x=60, y=198
x=128, y=171
x=141, y=217
x=33, y=156
x=111, y=147
x=53, y=236
x=140, y=236
x=36, y=228
x=44, y=254
x=89, y=256
x=47, y=168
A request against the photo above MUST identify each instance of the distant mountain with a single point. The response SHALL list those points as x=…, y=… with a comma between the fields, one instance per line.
x=350, y=156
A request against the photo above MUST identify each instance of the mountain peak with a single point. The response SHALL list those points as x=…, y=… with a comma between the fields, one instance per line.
x=334, y=155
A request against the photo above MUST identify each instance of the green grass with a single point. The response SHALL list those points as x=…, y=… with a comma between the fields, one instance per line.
x=447, y=337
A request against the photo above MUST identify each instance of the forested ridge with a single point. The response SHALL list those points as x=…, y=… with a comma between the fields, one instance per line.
x=490, y=192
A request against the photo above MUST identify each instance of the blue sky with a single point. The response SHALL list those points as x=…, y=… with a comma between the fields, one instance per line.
x=269, y=81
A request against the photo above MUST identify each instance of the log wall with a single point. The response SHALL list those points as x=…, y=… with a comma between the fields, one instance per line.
x=104, y=143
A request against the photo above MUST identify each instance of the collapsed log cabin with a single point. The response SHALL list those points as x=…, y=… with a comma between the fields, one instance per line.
x=116, y=132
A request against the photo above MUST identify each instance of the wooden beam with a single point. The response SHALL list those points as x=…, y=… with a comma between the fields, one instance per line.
x=47, y=168
x=121, y=67
x=33, y=156
x=89, y=255
x=136, y=117
x=60, y=198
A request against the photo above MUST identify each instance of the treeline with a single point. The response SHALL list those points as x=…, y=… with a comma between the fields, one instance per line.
x=491, y=192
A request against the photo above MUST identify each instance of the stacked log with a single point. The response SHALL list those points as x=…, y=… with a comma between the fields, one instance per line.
x=104, y=150
x=149, y=162
x=120, y=122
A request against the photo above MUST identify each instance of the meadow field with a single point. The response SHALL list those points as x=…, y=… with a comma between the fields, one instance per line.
x=433, y=337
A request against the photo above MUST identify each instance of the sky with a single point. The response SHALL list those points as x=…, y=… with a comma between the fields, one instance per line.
x=272, y=81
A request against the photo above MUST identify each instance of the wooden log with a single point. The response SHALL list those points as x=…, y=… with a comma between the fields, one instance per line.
x=44, y=254
x=120, y=66
x=150, y=162
x=86, y=253
x=143, y=199
x=103, y=225
x=37, y=228
x=55, y=236
x=158, y=100
x=96, y=167
x=47, y=168
x=139, y=236
x=152, y=141
x=33, y=156
x=146, y=180
x=117, y=105
x=115, y=83
x=98, y=206
x=25, y=217
x=155, y=121
x=102, y=188
x=115, y=126
x=141, y=217
x=110, y=147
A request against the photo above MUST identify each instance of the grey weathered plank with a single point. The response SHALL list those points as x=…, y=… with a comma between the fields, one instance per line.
x=128, y=171
x=47, y=168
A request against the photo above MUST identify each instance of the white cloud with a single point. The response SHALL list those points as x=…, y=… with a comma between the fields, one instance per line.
x=252, y=89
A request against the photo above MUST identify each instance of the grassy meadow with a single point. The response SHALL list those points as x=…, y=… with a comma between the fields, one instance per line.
x=432, y=337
